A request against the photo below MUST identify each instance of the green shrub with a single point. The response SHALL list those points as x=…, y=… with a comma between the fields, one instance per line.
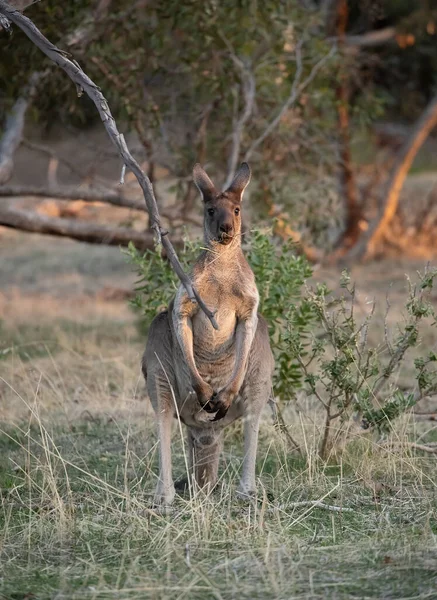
x=350, y=376
x=318, y=342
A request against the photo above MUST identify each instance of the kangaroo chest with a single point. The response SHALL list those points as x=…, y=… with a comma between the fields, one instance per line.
x=209, y=343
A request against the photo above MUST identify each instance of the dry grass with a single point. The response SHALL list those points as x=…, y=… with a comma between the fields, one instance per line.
x=78, y=467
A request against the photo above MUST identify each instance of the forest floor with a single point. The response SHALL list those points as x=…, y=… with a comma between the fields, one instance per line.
x=78, y=461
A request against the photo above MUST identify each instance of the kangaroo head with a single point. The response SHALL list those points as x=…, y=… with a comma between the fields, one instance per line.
x=222, y=210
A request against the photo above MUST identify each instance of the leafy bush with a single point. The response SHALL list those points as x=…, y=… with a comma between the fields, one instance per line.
x=317, y=340
x=346, y=373
x=157, y=282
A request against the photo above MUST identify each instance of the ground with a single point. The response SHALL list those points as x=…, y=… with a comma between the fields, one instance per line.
x=79, y=462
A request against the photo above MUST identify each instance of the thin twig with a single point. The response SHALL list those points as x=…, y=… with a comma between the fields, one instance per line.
x=296, y=90
x=279, y=421
x=123, y=173
x=52, y=154
x=316, y=504
x=80, y=78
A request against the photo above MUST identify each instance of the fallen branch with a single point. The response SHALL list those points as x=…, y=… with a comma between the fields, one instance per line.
x=282, y=228
x=84, y=83
x=92, y=195
x=91, y=232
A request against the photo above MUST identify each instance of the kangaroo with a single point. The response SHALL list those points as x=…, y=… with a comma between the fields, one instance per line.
x=209, y=378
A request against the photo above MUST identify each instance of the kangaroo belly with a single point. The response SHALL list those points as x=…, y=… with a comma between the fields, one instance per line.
x=214, y=350
x=217, y=373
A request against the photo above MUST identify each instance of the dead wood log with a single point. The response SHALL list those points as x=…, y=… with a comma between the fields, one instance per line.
x=92, y=233
x=85, y=84
x=106, y=196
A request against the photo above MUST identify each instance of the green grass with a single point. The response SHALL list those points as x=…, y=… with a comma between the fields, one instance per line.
x=34, y=340
x=78, y=467
x=77, y=521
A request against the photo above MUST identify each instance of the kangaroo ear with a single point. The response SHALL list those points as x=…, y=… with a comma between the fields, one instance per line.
x=241, y=180
x=203, y=183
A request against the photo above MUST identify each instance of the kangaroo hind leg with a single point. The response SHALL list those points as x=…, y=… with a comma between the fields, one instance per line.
x=161, y=386
x=255, y=397
x=165, y=490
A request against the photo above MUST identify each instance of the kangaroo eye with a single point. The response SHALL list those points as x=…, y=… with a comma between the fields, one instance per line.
x=210, y=211
x=237, y=211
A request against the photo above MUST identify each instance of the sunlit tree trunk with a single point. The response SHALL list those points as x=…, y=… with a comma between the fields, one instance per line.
x=404, y=160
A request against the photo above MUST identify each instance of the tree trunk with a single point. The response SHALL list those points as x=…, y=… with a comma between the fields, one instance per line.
x=368, y=243
x=348, y=183
x=14, y=126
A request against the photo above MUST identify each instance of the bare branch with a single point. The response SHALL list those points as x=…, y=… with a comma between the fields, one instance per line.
x=423, y=447
x=83, y=35
x=19, y=5
x=248, y=86
x=82, y=80
x=296, y=90
x=93, y=233
x=14, y=126
x=53, y=155
x=372, y=38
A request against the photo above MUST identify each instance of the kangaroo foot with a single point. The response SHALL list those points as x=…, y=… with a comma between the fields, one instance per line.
x=164, y=496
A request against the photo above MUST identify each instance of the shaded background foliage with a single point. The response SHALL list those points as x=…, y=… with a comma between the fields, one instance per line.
x=186, y=46
x=179, y=74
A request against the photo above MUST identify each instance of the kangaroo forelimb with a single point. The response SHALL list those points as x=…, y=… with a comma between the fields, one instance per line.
x=244, y=334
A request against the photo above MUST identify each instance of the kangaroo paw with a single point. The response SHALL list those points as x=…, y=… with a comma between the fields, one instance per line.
x=221, y=413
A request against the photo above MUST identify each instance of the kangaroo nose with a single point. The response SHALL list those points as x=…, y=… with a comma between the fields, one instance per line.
x=226, y=227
